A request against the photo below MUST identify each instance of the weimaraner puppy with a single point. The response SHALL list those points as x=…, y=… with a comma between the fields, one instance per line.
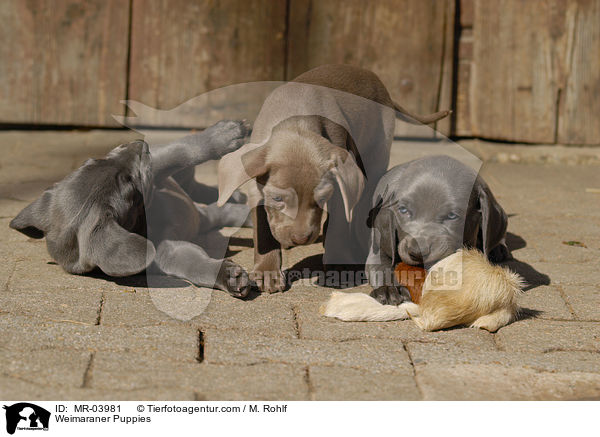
x=423, y=211
x=319, y=142
x=124, y=212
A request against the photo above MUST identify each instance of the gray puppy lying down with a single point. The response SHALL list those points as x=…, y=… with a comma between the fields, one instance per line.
x=423, y=211
x=126, y=211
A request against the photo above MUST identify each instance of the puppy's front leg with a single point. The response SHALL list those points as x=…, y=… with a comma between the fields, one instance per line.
x=380, y=272
x=189, y=261
x=212, y=143
x=267, y=255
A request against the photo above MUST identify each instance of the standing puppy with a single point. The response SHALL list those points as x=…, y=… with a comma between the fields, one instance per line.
x=321, y=141
x=425, y=210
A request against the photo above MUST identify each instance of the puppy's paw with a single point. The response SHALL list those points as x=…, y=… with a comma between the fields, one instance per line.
x=391, y=295
x=226, y=136
x=494, y=321
x=234, y=279
x=270, y=281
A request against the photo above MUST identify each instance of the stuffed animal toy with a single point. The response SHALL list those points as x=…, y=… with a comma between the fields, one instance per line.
x=461, y=289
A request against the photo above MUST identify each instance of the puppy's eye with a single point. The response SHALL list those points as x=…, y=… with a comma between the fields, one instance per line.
x=451, y=216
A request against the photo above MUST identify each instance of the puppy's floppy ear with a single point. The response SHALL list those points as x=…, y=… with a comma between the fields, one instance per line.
x=136, y=157
x=494, y=220
x=379, y=204
x=349, y=178
x=34, y=220
x=238, y=167
x=116, y=251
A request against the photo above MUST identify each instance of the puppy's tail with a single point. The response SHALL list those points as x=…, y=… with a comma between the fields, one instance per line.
x=420, y=119
x=360, y=307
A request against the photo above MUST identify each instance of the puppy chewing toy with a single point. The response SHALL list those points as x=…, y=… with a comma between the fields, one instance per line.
x=461, y=289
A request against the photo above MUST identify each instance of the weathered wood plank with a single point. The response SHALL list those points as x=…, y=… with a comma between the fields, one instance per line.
x=535, y=71
x=63, y=61
x=467, y=8
x=407, y=43
x=463, y=83
x=579, y=103
x=181, y=49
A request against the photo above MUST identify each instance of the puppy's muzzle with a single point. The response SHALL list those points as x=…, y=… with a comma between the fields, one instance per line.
x=418, y=249
x=302, y=238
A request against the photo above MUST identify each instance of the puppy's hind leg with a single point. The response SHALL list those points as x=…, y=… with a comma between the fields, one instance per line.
x=496, y=320
x=186, y=260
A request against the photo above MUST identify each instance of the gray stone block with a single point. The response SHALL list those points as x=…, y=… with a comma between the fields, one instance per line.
x=342, y=383
x=548, y=301
x=585, y=301
x=449, y=355
x=376, y=355
x=549, y=335
x=268, y=381
x=46, y=367
x=23, y=334
x=12, y=389
x=496, y=382
x=56, y=305
x=265, y=315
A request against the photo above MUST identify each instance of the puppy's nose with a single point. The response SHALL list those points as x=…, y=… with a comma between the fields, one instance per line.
x=301, y=238
x=418, y=250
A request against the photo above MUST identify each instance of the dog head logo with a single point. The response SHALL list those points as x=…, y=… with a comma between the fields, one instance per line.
x=26, y=416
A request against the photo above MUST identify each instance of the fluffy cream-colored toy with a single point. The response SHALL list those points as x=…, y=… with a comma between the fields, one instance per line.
x=462, y=289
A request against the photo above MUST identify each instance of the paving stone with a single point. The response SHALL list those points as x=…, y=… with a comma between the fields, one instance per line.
x=24, y=334
x=585, y=301
x=268, y=381
x=6, y=269
x=134, y=307
x=335, y=383
x=555, y=250
x=33, y=274
x=8, y=235
x=252, y=349
x=548, y=301
x=548, y=335
x=369, y=354
x=12, y=389
x=9, y=208
x=56, y=305
x=45, y=367
x=31, y=250
x=527, y=254
x=557, y=361
x=496, y=382
x=557, y=228
x=568, y=274
x=314, y=326
x=265, y=315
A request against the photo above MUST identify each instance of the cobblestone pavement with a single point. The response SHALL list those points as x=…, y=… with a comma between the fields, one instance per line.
x=84, y=337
